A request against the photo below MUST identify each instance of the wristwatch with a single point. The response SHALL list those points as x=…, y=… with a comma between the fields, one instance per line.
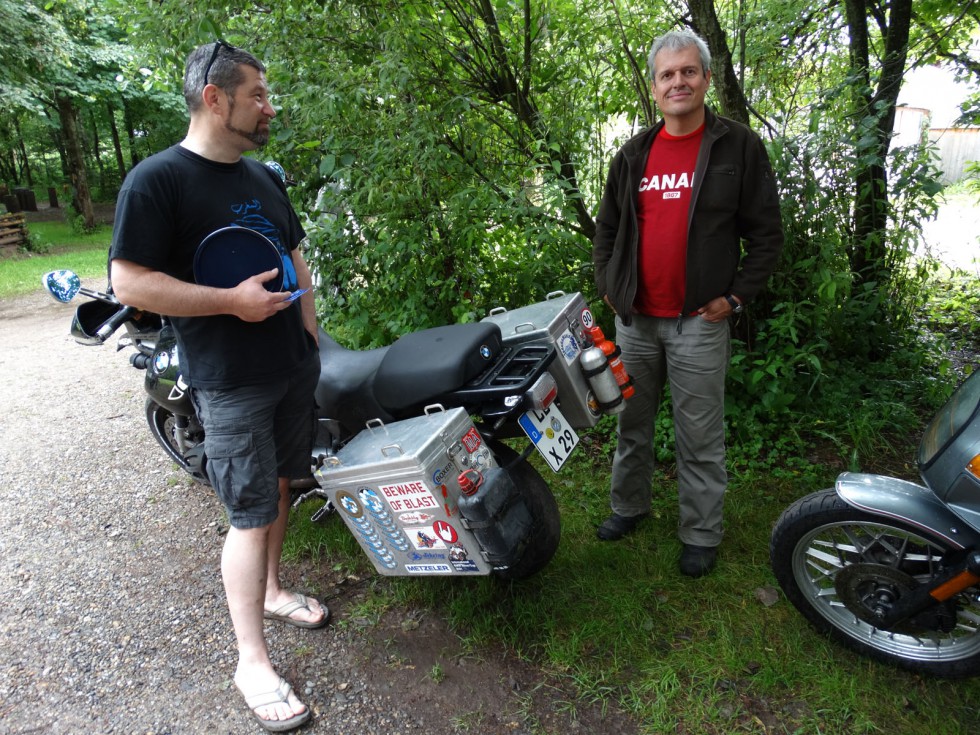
x=736, y=307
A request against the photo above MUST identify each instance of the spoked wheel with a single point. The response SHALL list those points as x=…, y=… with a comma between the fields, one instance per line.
x=546, y=529
x=839, y=565
x=163, y=426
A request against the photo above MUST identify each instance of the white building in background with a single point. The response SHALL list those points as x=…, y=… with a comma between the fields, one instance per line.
x=929, y=104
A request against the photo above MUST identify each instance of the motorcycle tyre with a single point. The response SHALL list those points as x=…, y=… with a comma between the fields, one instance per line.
x=546, y=531
x=820, y=512
x=160, y=422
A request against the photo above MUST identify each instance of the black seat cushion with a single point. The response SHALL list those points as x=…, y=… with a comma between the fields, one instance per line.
x=424, y=365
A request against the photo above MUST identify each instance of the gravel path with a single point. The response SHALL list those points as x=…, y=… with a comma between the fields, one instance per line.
x=114, y=618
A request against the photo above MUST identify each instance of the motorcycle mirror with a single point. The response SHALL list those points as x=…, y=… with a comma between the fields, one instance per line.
x=63, y=285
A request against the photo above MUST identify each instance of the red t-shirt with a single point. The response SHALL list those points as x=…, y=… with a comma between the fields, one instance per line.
x=663, y=202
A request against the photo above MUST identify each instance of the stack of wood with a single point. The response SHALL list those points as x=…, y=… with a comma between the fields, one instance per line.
x=13, y=232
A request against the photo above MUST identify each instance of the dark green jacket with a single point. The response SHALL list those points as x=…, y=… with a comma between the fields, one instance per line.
x=733, y=202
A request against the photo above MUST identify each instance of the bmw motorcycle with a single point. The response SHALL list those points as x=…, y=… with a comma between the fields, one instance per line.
x=410, y=445
x=890, y=568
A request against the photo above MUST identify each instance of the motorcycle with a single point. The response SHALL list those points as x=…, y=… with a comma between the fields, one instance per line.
x=410, y=437
x=891, y=568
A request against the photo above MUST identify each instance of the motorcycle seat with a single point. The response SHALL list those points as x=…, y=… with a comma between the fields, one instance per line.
x=345, y=389
x=428, y=364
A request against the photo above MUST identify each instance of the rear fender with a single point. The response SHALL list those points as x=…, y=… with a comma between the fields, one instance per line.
x=908, y=502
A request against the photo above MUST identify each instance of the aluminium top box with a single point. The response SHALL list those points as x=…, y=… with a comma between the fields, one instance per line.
x=396, y=488
x=560, y=319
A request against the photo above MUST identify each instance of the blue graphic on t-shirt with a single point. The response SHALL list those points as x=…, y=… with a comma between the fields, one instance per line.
x=250, y=217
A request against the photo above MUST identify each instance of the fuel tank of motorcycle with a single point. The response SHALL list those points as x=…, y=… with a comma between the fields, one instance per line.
x=164, y=382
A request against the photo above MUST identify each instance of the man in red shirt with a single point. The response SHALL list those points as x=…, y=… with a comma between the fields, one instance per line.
x=682, y=201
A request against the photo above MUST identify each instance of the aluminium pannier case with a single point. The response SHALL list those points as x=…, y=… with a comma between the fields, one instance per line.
x=396, y=487
x=561, y=320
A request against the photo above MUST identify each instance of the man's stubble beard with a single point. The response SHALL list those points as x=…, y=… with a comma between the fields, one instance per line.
x=256, y=137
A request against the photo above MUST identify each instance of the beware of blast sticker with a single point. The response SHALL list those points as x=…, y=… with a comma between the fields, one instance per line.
x=408, y=496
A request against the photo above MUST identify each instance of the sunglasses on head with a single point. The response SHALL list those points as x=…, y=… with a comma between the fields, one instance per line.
x=218, y=45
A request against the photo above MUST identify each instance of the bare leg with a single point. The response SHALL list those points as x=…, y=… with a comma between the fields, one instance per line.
x=244, y=565
x=275, y=595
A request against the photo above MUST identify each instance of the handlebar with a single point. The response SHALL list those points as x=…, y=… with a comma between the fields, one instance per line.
x=113, y=323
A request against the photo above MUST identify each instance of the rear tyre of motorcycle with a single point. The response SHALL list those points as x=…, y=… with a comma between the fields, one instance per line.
x=163, y=427
x=836, y=563
x=546, y=529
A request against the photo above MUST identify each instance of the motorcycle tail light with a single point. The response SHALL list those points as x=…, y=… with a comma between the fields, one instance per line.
x=543, y=392
x=973, y=467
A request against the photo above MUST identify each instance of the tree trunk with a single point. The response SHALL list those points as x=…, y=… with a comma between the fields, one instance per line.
x=875, y=114
x=704, y=19
x=116, y=144
x=28, y=176
x=82, y=199
x=134, y=156
x=97, y=149
x=502, y=81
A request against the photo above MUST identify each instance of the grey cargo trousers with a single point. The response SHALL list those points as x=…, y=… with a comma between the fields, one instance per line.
x=693, y=355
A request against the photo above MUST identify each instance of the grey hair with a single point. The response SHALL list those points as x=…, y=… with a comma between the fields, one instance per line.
x=677, y=41
x=224, y=73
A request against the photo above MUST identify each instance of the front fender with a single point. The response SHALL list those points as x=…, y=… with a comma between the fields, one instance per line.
x=908, y=502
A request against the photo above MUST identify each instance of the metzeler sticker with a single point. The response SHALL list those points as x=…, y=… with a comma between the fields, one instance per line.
x=428, y=569
x=568, y=346
x=472, y=440
x=406, y=496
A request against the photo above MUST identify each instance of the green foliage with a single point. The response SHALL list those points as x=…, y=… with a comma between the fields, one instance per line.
x=440, y=206
x=75, y=49
x=953, y=312
x=972, y=179
x=831, y=356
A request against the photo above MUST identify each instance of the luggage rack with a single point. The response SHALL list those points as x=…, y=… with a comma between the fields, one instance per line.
x=514, y=372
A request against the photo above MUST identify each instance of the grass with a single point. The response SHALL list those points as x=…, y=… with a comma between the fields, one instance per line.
x=57, y=247
x=619, y=622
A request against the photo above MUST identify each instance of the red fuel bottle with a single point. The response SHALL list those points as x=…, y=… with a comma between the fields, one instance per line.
x=612, y=353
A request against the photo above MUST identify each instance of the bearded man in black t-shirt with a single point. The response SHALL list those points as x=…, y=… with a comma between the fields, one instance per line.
x=249, y=354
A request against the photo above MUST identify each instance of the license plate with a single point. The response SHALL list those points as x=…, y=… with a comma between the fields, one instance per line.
x=551, y=434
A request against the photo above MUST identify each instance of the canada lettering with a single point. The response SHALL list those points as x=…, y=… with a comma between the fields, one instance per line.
x=665, y=182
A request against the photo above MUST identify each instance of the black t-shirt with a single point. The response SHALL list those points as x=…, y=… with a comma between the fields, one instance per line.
x=167, y=205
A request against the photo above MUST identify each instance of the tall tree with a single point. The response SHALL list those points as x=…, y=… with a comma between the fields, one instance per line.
x=81, y=194
x=875, y=94
x=60, y=59
x=728, y=87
